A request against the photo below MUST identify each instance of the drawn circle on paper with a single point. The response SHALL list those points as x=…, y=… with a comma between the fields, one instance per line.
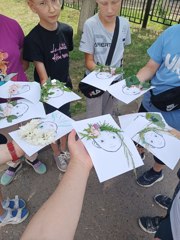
x=108, y=141
x=130, y=90
x=103, y=75
x=48, y=125
x=154, y=139
x=22, y=89
x=55, y=92
x=19, y=109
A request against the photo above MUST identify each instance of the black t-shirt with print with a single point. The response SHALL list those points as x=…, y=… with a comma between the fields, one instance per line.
x=51, y=48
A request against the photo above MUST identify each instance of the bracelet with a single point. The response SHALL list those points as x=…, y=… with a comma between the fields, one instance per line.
x=12, y=151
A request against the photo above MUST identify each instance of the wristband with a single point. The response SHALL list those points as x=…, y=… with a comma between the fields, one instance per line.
x=12, y=151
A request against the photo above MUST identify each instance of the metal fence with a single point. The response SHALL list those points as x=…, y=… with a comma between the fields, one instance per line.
x=165, y=12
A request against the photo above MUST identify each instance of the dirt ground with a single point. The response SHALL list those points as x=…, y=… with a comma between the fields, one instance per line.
x=110, y=209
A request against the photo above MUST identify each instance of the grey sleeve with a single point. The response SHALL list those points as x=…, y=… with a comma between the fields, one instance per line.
x=87, y=39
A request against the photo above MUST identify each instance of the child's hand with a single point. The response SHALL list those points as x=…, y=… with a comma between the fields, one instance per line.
x=132, y=81
x=43, y=84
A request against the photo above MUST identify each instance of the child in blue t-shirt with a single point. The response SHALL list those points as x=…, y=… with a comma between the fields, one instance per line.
x=163, y=69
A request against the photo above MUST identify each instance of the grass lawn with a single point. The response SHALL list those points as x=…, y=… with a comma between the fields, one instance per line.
x=134, y=58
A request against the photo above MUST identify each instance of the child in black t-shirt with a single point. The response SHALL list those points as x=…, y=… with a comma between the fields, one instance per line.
x=47, y=46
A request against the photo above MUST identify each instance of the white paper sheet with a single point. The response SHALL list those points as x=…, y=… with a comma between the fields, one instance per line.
x=163, y=145
x=63, y=126
x=125, y=94
x=27, y=90
x=101, y=80
x=22, y=110
x=60, y=97
x=109, y=150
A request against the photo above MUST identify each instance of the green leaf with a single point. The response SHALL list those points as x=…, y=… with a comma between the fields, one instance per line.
x=156, y=119
x=10, y=118
x=132, y=80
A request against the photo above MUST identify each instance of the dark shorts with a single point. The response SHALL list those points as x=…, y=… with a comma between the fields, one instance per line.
x=164, y=231
x=64, y=109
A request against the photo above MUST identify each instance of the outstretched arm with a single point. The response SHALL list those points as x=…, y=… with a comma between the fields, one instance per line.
x=59, y=215
x=41, y=70
x=5, y=155
x=148, y=71
x=89, y=62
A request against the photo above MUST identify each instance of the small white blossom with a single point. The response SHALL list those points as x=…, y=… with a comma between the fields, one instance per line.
x=37, y=136
x=53, y=81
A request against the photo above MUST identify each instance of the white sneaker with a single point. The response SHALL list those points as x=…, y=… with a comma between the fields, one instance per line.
x=66, y=155
x=61, y=162
x=20, y=216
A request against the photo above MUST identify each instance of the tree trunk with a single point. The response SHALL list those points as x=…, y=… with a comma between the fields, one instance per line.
x=87, y=10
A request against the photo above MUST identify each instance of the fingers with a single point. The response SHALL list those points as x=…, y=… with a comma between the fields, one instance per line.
x=71, y=137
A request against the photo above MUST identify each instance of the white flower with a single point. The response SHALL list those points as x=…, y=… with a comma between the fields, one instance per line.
x=53, y=81
x=13, y=89
x=113, y=71
x=7, y=110
x=37, y=136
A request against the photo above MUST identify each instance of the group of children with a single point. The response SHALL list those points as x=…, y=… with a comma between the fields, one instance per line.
x=48, y=45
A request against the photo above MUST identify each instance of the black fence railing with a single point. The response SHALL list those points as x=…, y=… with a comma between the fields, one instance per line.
x=75, y=4
x=165, y=12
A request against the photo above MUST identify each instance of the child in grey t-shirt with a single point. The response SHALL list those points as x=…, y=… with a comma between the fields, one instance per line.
x=95, y=43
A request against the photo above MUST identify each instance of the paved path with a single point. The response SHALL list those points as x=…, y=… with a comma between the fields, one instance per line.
x=110, y=209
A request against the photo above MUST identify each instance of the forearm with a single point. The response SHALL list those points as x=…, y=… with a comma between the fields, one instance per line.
x=144, y=74
x=89, y=62
x=148, y=71
x=59, y=216
x=41, y=70
x=5, y=155
x=91, y=66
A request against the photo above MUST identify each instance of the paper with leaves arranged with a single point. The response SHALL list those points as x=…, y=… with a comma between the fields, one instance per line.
x=54, y=121
x=112, y=152
x=27, y=90
x=56, y=94
x=120, y=91
x=18, y=111
x=152, y=132
x=101, y=80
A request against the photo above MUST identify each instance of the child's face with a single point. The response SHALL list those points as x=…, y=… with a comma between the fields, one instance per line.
x=154, y=139
x=19, y=90
x=131, y=91
x=56, y=92
x=108, y=141
x=48, y=126
x=103, y=75
x=108, y=10
x=48, y=12
x=19, y=109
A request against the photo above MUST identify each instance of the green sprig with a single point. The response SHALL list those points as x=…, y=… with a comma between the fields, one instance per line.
x=46, y=89
x=104, y=68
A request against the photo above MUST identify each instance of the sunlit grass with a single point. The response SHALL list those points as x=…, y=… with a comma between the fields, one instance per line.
x=134, y=58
